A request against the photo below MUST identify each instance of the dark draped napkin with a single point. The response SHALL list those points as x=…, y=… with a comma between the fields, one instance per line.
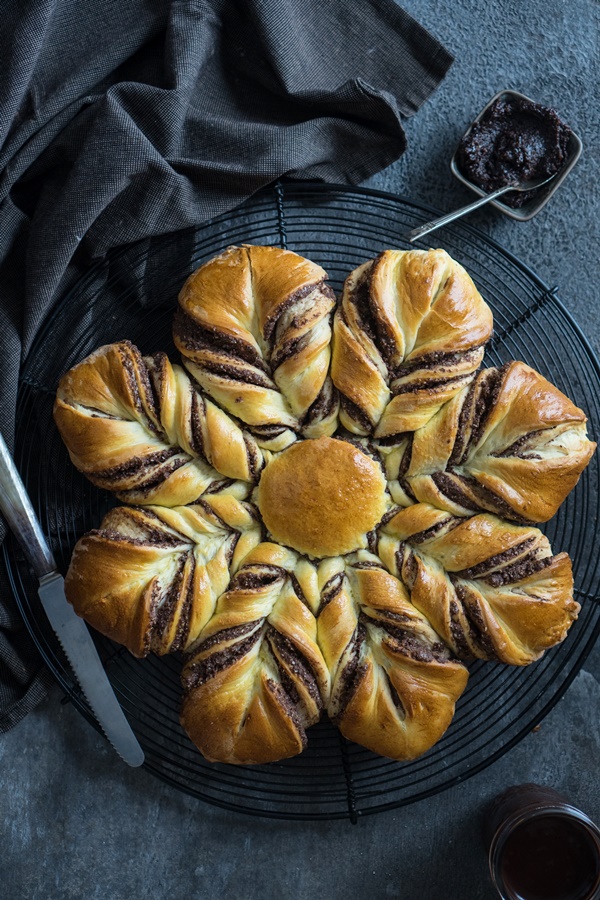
x=124, y=119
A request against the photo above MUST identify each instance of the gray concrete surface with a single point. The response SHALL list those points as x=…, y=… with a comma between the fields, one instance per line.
x=77, y=824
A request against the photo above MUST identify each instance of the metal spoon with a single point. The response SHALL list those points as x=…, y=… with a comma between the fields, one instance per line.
x=450, y=217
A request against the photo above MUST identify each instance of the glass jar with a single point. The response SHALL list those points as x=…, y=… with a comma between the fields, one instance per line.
x=541, y=847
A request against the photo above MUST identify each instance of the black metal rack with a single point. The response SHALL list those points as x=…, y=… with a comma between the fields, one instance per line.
x=131, y=295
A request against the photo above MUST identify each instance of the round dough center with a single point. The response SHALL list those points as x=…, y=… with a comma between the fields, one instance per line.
x=322, y=497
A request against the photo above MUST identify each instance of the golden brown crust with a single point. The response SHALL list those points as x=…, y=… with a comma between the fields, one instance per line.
x=491, y=589
x=408, y=335
x=150, y=578
x=256, y=679
x=274, y=639
x=305, y=494
x=393, y=683
x=511, y=444
x=138, y=426
x=254, y=328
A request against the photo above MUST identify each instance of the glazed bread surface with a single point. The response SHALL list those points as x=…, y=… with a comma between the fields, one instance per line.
x=256, y=679
x=140, y=427
x=329, y=509
x=409, y=334
x=490, y=589
x=254, y=329
x=394, y=684
x=511, y=444
x=149, y=578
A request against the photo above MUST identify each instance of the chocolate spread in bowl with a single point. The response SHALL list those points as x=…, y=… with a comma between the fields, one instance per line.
x=515, y=140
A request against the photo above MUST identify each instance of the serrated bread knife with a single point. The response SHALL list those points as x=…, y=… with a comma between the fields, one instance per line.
x=70, y=629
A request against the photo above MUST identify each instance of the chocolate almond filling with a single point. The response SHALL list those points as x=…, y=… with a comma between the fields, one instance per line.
x=167, y=609
x=218, y=486
x=360, y=297
x=233, y=373
x=270, y=326
x=514, y=449
x=224, y=636
x=388, y=615
x=394, y=694
x=389, y=516
x=298, y=590
x=406, y=643
x=256, y=461
x=324, y=404
x=155, y=594
x=499, y=559
x=137, y=464
x=372, y=541
x=190, y=334
x=489, y=385
x=429, y=386
x=289, y=709
x=330, y=590
x=406, y=457
x=355, y=413
x=478, y=632
x=289, y=348
x=268, y=432
x=406, y=565
x=198, y=407
x=295, y=664
x=152, y=530
x=448, y=523
x=404, y=484
x=183, y=624
x=257, y=576
x=448, y=485
x=464, y=426
x=385, y=340
x=352, y=674
x=140, y=388
x=200, y=671
x=393, y=440
x=491, y=501
x=437, y=359
x=520, y=570
x=461, y=645
x=164, y=472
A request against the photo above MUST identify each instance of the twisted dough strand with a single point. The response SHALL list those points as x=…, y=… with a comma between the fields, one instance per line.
x=511, y=444
x=408, y=335
x=393, y=683
x=490, y=589
x=257, y=679
x=150, y=577
x=254, y=328
x=138, y=426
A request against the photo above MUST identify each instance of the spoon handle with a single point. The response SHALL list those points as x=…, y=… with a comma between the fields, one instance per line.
x=450, y=217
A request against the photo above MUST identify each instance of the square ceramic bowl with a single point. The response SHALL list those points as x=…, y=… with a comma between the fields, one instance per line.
x=533, y=206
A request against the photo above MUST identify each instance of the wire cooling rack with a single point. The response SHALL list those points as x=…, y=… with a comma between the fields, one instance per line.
x=132, y=295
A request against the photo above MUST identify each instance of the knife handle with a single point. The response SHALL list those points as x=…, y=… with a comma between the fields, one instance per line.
x=20, y=515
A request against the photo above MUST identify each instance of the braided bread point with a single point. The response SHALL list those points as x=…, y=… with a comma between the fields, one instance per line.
x=490, y=589
x=257, y=679
x=149, y=578
x=393, y=683
x=511, y=444
x=138, y=426
x=254, y=328
x=408, y=335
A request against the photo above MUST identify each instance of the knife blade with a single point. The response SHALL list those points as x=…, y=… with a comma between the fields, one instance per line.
x=71, y=631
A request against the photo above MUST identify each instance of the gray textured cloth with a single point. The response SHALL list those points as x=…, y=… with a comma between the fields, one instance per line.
x=123, y=119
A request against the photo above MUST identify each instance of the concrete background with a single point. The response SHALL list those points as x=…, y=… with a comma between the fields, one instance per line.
x=78, y=824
